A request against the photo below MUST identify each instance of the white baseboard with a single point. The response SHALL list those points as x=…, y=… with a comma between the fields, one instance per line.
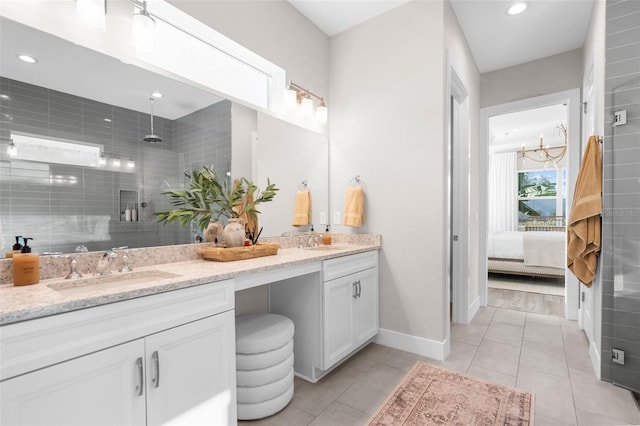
x=413, y=344
x=473, y=308
x=596, y=362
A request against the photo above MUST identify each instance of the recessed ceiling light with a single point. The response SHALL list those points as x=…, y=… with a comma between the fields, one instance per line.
x=517, y=8
x=28, y=59
x=156, y=95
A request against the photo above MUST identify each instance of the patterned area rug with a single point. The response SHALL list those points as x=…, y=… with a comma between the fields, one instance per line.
x=430, y=395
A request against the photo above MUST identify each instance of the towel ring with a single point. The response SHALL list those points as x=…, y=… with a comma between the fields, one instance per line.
x=357, y=181
x=303, y=185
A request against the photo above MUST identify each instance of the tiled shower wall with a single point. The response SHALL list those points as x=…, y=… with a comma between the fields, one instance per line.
x=621, y=214
x=82, y=207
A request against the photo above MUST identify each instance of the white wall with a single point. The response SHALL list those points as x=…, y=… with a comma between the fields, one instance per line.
x=541, y=77
x=386, y=125
x=461, y=59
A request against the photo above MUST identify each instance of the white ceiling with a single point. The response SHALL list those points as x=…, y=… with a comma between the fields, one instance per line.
x=511, y=131
x=496, y=40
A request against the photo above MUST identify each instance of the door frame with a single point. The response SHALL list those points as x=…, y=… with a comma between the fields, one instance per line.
x=457, y=255
x=574, y=107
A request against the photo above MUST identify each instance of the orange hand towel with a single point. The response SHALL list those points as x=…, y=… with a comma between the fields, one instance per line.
x=354, y=207
x=302, y=209
x=583, y=231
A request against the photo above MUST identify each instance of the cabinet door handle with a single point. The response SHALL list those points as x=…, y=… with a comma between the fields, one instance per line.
x=355, y=289
x=359, y=289
x=140, y=385
x=156, y=367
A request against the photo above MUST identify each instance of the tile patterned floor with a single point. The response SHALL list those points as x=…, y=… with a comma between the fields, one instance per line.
x=543, y=354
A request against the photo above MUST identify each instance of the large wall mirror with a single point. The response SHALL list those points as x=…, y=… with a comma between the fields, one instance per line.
x=74, y=100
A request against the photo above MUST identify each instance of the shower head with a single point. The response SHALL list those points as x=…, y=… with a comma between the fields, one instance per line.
x=152, y=138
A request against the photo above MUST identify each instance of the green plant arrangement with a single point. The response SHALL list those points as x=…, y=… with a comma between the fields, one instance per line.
x=207, y=199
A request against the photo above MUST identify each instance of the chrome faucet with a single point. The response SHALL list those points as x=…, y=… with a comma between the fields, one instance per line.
x=314, y=240
x=102, y=268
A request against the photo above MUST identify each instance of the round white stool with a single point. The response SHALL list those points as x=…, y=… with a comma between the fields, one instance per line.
x=264, y=364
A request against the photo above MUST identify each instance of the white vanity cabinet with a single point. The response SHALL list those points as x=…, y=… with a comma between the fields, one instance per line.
x=334, y=306
x=350, y=305
x=162, y=359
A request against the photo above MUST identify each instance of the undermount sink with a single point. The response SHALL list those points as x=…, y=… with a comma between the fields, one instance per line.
x=114, y=280
x=328, y=247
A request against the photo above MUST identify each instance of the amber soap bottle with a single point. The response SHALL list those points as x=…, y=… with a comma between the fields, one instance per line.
x=26, y=266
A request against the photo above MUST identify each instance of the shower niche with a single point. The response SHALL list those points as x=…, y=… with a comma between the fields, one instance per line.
x=129, y=208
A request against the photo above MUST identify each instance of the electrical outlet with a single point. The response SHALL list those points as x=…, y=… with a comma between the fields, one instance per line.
x=617, y=356
x=336, y=218
x=618, y=282
x=620, y=117
x=323, y=218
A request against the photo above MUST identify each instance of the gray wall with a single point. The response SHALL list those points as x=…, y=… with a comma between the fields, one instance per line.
x=621, y=215
x=59, y=216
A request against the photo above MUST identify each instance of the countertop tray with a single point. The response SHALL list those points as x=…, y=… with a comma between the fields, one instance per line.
x=224, y=254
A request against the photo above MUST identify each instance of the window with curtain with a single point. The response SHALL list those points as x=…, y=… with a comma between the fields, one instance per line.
x=538, y=193
x=503, y=187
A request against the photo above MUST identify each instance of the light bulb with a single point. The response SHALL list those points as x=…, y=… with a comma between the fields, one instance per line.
x=144, y=30
x=322, y=113
x=116, y=162
x=517, y=8
x=131, y=164
x=290, y=98
x=306, y=106
x=12, y=150
x=102, y=161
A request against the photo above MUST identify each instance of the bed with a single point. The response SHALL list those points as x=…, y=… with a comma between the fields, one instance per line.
x=539, y=250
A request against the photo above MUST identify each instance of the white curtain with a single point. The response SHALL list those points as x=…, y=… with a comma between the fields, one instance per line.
x=503, y=192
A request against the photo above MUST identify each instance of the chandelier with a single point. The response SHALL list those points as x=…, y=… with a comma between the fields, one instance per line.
x=545, y=154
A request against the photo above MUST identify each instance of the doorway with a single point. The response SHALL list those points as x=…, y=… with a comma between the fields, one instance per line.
x=458, y=203
x=538, y=206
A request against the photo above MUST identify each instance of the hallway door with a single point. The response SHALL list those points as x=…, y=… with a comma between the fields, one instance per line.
x=459, y=202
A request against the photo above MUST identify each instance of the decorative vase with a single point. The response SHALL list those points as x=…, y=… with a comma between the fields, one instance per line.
x=213, y=233
x=234, y=233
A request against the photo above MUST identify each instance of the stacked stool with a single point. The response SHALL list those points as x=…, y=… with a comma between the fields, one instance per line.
x=264, y=364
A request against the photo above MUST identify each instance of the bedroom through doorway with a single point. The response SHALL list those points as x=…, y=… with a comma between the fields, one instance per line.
x=528, y=155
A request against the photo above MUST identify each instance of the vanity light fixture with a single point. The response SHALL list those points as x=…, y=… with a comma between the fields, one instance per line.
x=27, y=58
x=296, y=94
x=92, y=14
x=546, y=154
x=12, y=150
x=131, y=164
x=102, y=161
x=517, y=8
x=306, y=105
x=144, y=28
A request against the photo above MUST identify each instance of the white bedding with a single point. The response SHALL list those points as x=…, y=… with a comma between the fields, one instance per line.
x=535, y=248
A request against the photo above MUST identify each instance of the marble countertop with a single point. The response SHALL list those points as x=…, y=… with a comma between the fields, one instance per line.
x=40, y=300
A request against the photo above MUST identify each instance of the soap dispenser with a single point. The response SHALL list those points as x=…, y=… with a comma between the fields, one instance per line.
x=326, y=237
x=16, y=248
x=26, y=265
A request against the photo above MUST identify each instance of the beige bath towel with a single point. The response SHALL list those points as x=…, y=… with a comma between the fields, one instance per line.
x=354, y=207
x=302, y=209
x=583, y=230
